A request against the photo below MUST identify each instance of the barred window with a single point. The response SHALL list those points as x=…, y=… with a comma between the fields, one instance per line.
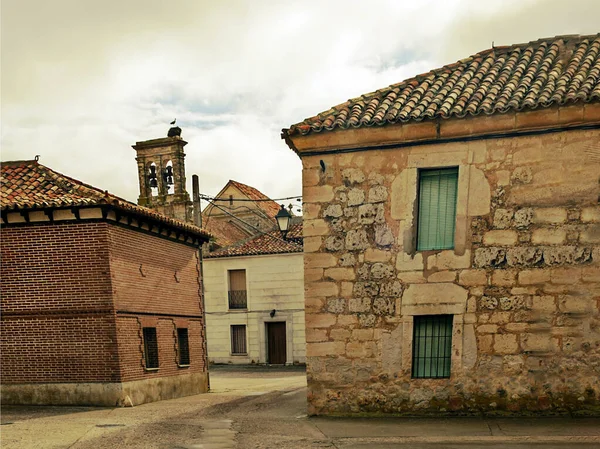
x=238, y=339
x=432, y=346
x=238, y=298
x=150, y=347
x=183, y=346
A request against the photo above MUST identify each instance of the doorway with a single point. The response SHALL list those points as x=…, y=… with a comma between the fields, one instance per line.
x=276, y=343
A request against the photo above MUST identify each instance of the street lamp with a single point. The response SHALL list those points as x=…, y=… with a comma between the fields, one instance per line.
x=283, y=218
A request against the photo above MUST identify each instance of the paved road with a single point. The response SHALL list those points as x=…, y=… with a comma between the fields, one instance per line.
x=265, y=408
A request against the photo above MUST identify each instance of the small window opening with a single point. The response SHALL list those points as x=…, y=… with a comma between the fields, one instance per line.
x=153, y=179
x=150, y=348
x=432, y=346
x=183, y=346
x=238, y=339
x=169, y=179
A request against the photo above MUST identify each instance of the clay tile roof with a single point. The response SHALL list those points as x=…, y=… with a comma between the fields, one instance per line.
x=265, y=203
x=558, y=70
x=225, y=232
x=31, y=185
x=269, y=243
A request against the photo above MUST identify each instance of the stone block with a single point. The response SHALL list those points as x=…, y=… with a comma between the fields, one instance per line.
x=591, y=234
x=347, y=320
x=538, y=342
x=442, y=276
x=524, y=256
x=566, y=255
x=515, y=302
x=506, y=344
x=377, y=255
x=479, y=198
x=565, y=275
x=311, y=177
x=535, y=276
x=319, y=260
x=523, y=218
x=362, y=334
x=442, y=293
x=485, y=344
x=412, y=277
x=316, y=227
x=357, y=240
x=312, y=304
x=321, y=289
x=316, y=320
x=406, y=262
x=340, y=274
x=310, y=211
x=333, y=243
x=352, y=176
x=356, y=350
x=383, y=235
x=546, y=236
x=503, y=218
x=575, y=304
x=504, y=278
x=487, y=303
x=316, y=335
x=502, y=177
x=448, y=260
x=591, y=274
x=312, y=244
x=552, y=215
x=487, y=329
x=521, y=175
x=377, y=194
x=359, y=305
x=356, y=197
x=471, y=278
x=489, y=257
x=346, y=289
x=368, y=289
x=313, y=274
x=392, y=288
x=318, y=194
x=384, y=306
x=339, y=334
x=500, y=238
x=391, y=350
x=381, y=270
x=545, y=304
x=367, y=213
x=336, y=305
x=333, y=211
x=590, y=214
x=347, y=260
x=329, y=348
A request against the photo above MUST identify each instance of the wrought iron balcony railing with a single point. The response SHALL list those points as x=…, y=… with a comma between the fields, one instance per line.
x=238, y=299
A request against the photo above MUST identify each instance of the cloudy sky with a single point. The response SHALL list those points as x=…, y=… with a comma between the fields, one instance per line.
x=82, y=80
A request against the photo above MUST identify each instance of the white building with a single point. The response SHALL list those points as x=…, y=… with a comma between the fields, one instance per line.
x=254, y=299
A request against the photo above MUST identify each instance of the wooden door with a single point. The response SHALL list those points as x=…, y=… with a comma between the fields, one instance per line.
x=276, y=342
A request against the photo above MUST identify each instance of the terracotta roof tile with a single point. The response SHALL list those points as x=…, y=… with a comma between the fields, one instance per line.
x=225, y=232
x=267, y=205
x=31, y=185
x=269, y=243
x=537, y=74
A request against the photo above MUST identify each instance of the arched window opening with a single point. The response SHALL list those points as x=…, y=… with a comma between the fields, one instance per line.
x=153, y=179
x=168, y=177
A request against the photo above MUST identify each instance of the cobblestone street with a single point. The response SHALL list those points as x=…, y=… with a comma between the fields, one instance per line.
x=263, y=407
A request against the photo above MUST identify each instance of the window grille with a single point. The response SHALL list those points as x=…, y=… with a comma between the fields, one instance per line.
x=150, y=347
x=238, y=298
x=437, y=208
x=183, y=346
x=432, y=346
x=238, y=339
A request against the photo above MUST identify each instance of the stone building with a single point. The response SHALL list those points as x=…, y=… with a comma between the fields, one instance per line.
x=101, y=301
x=452, y=238
x=255, y=300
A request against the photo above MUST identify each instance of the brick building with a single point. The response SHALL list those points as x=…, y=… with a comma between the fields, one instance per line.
x=101, y=301
x=452, y=238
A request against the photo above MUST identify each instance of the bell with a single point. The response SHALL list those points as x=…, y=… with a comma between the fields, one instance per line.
x=152, y=177
x=153, y=182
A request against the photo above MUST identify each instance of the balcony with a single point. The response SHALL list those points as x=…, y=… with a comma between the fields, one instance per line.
x=238, y=300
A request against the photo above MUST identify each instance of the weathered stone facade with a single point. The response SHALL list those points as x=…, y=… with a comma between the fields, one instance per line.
x=522, y=282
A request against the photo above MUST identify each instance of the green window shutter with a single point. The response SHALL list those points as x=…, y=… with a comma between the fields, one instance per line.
x=437, y=208
x=432, y=346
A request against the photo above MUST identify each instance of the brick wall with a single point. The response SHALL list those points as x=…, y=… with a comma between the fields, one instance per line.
x=155, y=284
x=55, y=291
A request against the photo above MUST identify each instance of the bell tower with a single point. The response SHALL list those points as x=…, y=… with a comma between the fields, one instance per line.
x=161, y=173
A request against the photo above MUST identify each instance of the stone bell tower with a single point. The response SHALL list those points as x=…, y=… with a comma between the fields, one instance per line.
x=161, y=172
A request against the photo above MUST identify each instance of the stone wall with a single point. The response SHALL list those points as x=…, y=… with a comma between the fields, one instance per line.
x=522, y=282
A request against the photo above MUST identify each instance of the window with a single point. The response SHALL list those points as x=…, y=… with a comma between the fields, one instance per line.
x=237, y=289
x=183, y=346
x=437, y=208
x=150, y=348
x=238, y=339
x=432, y=346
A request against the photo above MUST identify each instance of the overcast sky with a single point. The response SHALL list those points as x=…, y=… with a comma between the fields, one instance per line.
x=83, y=80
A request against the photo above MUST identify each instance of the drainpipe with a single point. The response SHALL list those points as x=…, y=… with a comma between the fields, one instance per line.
x=198, y=222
